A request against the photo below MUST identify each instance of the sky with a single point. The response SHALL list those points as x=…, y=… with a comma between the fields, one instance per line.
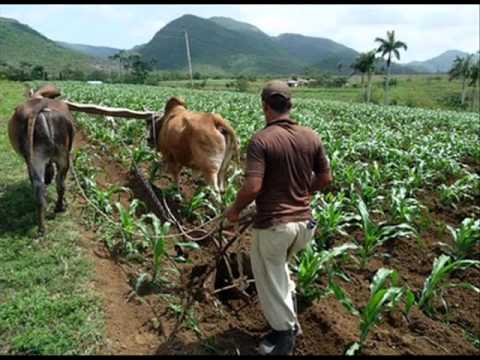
x=428, y=30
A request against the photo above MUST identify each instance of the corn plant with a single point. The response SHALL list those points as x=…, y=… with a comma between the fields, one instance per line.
x=328, y=211
x=313, y=264
x=231, y=188
x=465, y=188
x=198, y=201
x=374, y=235
x=142, y=153
x=342, y=297
x=436, y=282
x=102, y=199
x=381, y=299
x=128, y=223
x=404, y=208
x=156, y=237
x=464, y=238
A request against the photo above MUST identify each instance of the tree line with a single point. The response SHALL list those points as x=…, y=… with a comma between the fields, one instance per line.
x=465, y=69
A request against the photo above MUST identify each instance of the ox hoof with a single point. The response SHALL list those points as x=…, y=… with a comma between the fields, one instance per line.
x=40, y=234
x=59, y=208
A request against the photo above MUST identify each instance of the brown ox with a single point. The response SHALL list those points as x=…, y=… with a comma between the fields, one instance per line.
x=41, y=130
x=202, y=141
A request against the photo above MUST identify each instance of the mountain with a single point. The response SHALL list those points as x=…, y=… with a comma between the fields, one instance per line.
x=235, y=25
x=102, y=52
x=21, y=44
x=228, y=46
x=218, y=47
x=441, y=63
x=320, y=52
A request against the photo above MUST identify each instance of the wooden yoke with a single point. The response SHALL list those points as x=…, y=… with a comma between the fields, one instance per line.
x=109, y=111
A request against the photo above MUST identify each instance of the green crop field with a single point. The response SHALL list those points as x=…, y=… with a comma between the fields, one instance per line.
x=423, y=91
x=398, y=234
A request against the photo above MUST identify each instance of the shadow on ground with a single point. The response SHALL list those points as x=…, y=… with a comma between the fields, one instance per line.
x=230, y=342
x=17, y=208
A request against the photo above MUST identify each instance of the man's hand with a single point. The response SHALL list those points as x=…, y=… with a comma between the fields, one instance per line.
x=251, y=187
x=232, y=214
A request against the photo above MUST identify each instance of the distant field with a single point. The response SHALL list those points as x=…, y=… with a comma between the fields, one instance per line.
x=425, y=91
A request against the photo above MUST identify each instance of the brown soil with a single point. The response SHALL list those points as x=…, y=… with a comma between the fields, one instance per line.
x=234, y=326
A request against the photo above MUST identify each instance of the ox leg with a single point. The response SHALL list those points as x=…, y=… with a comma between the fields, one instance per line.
x=174, y=170
x=212, y=178
x=37, y=176
x=49, y=173
x=63, y=167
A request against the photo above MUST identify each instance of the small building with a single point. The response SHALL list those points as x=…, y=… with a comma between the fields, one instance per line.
x=94, y=82
x=298, y=82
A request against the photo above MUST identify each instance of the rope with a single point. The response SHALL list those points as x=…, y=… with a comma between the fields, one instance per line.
x=115, y=223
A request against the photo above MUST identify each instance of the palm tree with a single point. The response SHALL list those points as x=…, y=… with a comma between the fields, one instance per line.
x=357, y=67
x=388, y=47
x=461, y=69
x=475, y=82
x=369, y=62
x=365, y=64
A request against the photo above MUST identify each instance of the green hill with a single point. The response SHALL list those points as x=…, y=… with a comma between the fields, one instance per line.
x=235, y=25
x=20, y=43
x=225, y=45
x=237, y=52
x=441, y=63
x=323, y=53
x=102, y=52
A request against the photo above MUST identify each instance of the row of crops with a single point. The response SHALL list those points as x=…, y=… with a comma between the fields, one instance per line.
x=395, y=170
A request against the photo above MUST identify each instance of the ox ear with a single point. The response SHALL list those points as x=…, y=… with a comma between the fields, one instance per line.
x=173, y=102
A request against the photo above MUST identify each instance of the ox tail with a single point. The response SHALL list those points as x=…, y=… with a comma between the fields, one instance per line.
x=231, y=150
x=31, y=121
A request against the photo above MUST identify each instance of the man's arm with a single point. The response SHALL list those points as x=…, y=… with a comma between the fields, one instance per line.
x=249, y=191
x=320, y=181
x=255, y=169
x=322, y=175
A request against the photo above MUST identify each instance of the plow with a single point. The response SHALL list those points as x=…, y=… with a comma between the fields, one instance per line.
x=228, y=272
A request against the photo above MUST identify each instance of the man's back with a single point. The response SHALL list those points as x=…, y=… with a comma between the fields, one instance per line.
x=285, y=154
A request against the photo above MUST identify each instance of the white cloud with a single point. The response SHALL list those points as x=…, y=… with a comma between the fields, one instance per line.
x=427, y=29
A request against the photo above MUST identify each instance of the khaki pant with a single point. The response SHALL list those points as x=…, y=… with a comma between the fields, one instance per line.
x=271, y=251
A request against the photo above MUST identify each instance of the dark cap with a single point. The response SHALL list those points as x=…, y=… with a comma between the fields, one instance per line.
x=276, y=87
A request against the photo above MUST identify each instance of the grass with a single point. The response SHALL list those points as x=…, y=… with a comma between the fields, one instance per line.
x=45, y=305
x=424, y=91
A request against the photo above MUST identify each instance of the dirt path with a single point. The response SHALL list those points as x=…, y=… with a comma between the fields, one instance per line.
x=127, y=322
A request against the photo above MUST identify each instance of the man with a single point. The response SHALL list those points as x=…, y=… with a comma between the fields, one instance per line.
x=286, y=163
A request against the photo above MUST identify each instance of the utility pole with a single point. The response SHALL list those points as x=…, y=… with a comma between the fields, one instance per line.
x=189, y=59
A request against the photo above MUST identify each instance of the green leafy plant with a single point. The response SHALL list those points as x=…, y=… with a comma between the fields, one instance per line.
x=128, y=223
x=404, y=208
x=374, y=235
x=156, y=237
x=464, y=238
x=382, y=299
x=313, y=264
x=436, y=282
x=465, y=188
x=331, y=217
x=198, y=201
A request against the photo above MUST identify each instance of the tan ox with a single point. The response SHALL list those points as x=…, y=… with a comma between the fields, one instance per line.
x=202, y=141
x=41, y=130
